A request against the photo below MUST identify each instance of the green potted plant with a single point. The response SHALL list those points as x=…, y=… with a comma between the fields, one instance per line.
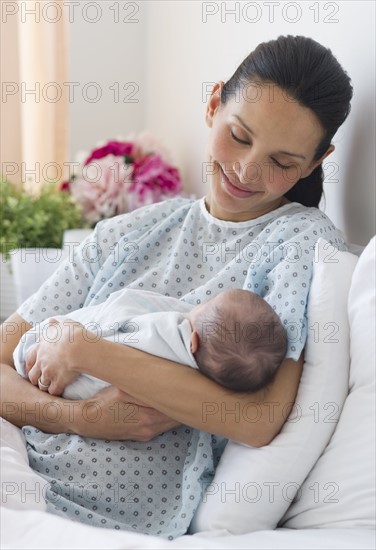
x=31, y=234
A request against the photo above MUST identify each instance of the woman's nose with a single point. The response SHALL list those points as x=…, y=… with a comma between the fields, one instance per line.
x=248, y=171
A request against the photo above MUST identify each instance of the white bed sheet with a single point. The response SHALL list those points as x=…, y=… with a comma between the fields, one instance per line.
x=39, y=530
x=27, y=525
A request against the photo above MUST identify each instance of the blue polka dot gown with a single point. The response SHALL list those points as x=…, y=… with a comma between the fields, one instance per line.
x=177, y=248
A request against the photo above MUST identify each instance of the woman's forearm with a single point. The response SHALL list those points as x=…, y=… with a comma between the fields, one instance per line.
x=177, y=392
x=189, y=397
x=21, y=402
x=24, y=404
x=110, y=414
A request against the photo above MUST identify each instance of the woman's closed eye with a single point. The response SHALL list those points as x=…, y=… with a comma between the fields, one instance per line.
x=239, y=140
x=281, y=165
x=248, y=143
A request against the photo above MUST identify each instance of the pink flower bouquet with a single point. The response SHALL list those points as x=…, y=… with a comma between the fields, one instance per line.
x=121, y=176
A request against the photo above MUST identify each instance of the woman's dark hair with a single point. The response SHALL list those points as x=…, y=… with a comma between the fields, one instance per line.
x=311, y=75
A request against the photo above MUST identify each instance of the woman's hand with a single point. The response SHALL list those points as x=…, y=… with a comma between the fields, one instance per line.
x=113, y=414
x=61, y=345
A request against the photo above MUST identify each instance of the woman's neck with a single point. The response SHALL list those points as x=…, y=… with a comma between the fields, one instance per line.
x=243, y=216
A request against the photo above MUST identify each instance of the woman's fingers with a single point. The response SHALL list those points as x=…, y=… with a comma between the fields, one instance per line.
x=57, y=387
x=32, y=368
x=43, y=385
x=30, y=359
x=38, y=378
x=47, y=361
x=154, y=423
x=113, y=414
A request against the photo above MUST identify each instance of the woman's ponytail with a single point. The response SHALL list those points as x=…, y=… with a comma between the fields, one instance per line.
x=308, y=191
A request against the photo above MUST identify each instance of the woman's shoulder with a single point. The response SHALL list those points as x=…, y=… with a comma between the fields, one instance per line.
x=308, y=223
x=144, y=218
x=295, y=210
x=150, y=212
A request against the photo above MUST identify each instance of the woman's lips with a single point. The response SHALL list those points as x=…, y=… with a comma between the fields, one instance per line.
x=235, y=191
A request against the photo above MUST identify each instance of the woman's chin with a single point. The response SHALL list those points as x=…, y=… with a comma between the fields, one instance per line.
x=228, y=208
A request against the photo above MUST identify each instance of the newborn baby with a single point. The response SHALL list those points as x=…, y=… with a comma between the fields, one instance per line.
x=235, y=338
x=153, y=487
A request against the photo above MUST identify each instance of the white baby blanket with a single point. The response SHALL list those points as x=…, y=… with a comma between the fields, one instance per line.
x=141, y=319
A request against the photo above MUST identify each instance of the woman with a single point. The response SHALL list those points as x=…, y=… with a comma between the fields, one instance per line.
x=271, y=128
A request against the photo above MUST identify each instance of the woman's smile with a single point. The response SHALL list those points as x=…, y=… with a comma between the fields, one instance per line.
x=234, y=189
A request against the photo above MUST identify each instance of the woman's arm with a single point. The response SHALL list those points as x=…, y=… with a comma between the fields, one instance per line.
x=191, y=398
x=111, y=414
x=177, y=391
x=21, y=402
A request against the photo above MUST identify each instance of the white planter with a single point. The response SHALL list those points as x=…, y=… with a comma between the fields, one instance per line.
x=8, y=304
x=28, y=269
x=72, y=238
x=31, y=267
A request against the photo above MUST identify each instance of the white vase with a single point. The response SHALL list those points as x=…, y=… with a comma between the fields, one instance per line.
x=72, y=238
x=8, y=303
x=31, y=267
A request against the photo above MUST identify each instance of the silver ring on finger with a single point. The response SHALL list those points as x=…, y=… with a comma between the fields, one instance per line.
x=41, y=386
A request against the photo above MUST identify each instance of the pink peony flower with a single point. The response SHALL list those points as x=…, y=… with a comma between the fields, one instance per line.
x=107, y=183
x=101, y=190
x=116, y=148
x=153, y=180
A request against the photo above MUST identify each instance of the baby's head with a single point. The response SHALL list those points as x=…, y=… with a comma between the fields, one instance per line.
x=238, y=340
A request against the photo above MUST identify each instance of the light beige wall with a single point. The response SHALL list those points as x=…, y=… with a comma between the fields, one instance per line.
x=185, y=51
x=107, y=49
x=172, y=52
x=170, y=56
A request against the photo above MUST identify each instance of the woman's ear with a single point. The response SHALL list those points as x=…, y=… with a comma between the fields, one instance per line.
x=308, y=171
x=213, y=102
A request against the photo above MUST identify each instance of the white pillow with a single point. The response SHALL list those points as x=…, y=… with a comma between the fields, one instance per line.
x=21, y=487
x=344, y=477
x=253, y=488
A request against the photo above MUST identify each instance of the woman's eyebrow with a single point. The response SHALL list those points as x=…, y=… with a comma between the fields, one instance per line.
x=291, y=154
x=279, y=152
x=244, y=125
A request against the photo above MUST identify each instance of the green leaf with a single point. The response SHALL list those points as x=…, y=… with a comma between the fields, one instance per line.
x=35, y=221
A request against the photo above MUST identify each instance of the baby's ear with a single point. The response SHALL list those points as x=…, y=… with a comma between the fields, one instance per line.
x=195, y=341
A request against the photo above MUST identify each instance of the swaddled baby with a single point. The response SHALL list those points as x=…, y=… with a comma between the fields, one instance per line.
x=235, y=338
x=153, y=487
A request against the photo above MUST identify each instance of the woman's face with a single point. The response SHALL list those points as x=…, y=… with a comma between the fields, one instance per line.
x=261, y=143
